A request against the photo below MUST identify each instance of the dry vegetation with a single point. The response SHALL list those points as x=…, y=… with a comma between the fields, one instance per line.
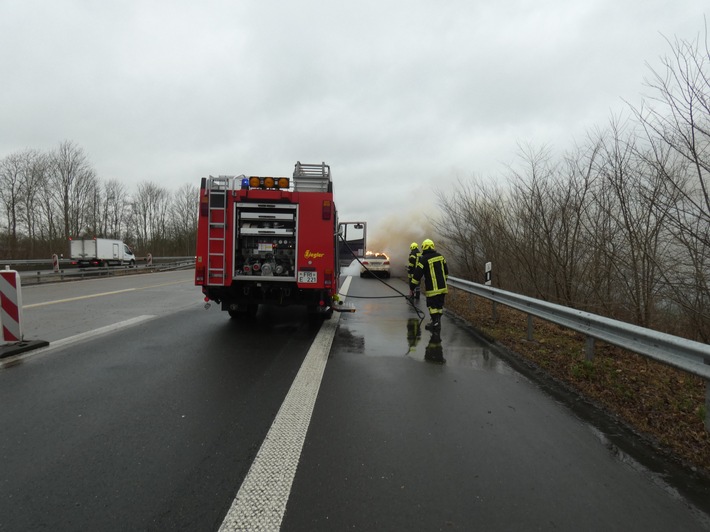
x=663, y=405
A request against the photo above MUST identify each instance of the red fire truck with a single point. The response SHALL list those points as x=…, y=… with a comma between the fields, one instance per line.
x=268, y=240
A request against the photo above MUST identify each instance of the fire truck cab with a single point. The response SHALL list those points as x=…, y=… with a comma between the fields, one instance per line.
x=268, y=240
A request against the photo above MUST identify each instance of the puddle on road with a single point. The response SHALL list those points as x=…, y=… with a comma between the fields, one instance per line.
x=407, y=338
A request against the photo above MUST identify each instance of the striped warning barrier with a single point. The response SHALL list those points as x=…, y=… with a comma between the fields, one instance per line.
x=11, y=303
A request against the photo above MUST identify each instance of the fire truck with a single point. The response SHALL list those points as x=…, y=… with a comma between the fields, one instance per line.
x=268, y=240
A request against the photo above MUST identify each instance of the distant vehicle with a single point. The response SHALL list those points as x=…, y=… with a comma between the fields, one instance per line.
x=100, y=252
x=375, y=264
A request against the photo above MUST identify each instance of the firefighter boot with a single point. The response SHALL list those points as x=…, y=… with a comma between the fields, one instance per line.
x=434, y=324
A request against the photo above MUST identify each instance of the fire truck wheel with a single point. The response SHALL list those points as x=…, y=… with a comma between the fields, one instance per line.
x=315, y=313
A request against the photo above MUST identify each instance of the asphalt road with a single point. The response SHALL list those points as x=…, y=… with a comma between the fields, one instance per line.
x=155, y=422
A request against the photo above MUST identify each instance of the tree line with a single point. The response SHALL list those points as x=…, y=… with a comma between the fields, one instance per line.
x=619, y=225
x=46, y=198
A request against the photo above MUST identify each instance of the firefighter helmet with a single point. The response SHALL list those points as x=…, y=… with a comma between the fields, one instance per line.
x=413, y=245
x=427, y=244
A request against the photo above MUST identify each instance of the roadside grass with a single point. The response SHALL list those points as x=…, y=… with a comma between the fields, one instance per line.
x=663, y=405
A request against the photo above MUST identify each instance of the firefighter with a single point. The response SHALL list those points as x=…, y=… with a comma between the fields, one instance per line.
x=413, y=256
x=432, y=266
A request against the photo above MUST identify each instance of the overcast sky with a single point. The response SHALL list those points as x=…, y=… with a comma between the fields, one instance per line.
x=397, y=96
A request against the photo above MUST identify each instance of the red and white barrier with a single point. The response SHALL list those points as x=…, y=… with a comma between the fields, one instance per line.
x=11, y=303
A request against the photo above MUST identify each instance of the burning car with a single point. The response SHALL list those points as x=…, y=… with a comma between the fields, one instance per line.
x=375, y=264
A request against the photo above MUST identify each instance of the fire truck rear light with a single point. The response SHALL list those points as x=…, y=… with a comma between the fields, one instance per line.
x=327, y=209
x=204, y=205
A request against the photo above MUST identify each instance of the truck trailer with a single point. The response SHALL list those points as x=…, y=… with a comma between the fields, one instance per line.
x=100, y=252
x=268, y=240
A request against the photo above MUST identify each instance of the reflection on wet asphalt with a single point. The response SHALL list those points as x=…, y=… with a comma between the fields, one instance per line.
x=387, y=326
x=391, y=327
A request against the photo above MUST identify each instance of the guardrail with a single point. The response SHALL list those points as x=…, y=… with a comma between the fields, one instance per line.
x=687, y=355
x=30, y=275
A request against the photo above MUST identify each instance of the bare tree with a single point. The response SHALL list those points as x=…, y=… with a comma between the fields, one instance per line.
x=34, y=179
x=115, y=208
x=75, y=182
x=459, y=232
x=529, y=220
x=11, y=171
x=149, y=216
x=639, y=216
x=677, y=118
x=183, y=218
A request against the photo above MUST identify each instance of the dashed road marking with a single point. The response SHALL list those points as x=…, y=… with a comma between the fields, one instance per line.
x=78, y=298
x=70, y=340
x=261, y=501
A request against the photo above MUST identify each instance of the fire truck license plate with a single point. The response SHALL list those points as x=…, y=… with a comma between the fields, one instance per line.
x=307, y=277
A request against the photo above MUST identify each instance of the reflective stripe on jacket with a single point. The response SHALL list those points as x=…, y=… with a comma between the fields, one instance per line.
x=432, y=266
x=413, y=256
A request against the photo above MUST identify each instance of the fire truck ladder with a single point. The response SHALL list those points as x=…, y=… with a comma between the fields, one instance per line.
x=217, y=229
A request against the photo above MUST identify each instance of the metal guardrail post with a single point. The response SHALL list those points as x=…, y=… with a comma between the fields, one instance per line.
x=589, y=348
x=530, y=328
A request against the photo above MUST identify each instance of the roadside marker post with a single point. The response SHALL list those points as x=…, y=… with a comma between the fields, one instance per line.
x=11, y=303
x=12, y=342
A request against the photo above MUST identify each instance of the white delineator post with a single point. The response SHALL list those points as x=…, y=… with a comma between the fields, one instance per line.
x=11, y=303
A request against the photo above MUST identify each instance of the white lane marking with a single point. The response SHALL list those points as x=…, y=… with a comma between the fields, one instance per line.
x=64, y=342
x=78, y=298
x=103, y=294
x=261, y=501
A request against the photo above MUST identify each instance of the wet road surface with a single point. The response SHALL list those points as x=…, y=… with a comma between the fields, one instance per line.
x=400, y=443
x=156, y=426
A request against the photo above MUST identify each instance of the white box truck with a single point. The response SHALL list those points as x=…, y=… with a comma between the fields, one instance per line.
x=100, y=252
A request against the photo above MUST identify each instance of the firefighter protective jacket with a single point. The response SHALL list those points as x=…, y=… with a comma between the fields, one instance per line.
x=413, y=256
x=432, y=266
